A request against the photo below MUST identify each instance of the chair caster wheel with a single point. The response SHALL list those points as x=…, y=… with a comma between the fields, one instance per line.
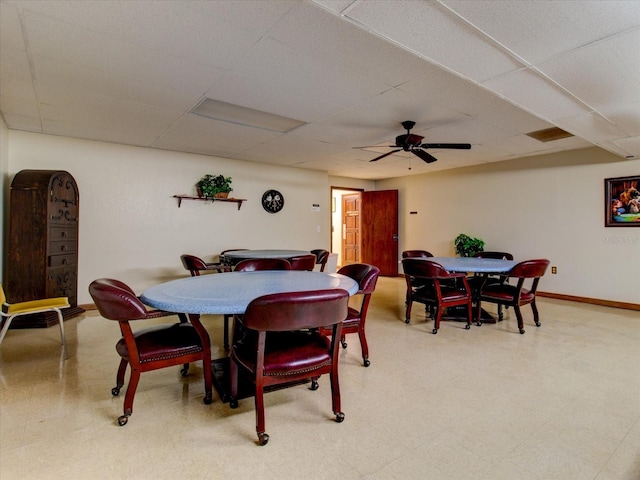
x=478, y=324
x=538, y=324
x=115, y=391
x=521, y=331
x=434, y=331
x=122, y=421
x=314, y=385
x=366, y=362
x=339, y=417
x=467, y=326
x=184, y=371
x=344, y=345
x=208, y=399
x=407, y=320
x=233, y=403
x=263, y=439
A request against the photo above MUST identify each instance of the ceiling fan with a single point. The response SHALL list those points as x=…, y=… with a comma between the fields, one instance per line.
x=410, y=142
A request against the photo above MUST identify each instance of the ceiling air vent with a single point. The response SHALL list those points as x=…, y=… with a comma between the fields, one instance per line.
x=549, y=134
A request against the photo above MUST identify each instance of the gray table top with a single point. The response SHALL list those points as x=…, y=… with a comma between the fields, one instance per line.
x=473, y=264
x=231, y=293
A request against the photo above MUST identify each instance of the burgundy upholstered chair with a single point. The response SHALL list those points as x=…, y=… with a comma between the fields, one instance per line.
x=367, y=277
x=477, y=281
x=429, y=283
x=195, y=265
x=255, y=264
x=279, y=343
x=151, y=348
x=303, y=262
x=321, y=258
x=517, y=295
x=416, y=254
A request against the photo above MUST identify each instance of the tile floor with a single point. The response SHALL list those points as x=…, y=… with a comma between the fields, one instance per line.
x=560, y=402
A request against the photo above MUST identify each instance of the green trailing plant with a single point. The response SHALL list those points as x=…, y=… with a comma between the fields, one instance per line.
x=209, y=185
x=467, y=246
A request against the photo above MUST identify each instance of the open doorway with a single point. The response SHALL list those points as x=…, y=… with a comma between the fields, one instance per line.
x=345, y=225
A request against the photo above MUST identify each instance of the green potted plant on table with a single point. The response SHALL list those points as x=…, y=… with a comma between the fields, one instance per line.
x=467, y=246
x=214, y=186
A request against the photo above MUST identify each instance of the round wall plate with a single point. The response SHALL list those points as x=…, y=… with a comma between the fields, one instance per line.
x=272, y=201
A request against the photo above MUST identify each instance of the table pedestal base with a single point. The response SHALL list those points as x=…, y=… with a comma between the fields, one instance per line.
x=459, y=314
x=222, y=384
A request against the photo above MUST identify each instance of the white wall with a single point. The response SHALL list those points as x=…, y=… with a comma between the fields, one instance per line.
x=132, y=229
x=549, y=206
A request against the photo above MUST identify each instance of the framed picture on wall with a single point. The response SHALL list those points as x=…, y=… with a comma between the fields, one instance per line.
x=622, y=201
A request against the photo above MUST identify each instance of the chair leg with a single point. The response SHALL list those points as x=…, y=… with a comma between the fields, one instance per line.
x=519, y=317
x=469, y=315
x=263, y=438
x=343, y=341
x=407, y=315
x=233, y=380
x=364, y=346
x=122, y=369
x=128, y=397
x=535, y=313
x=436, y=325
x=5, y=328
x=335, y=394
x=500, y=315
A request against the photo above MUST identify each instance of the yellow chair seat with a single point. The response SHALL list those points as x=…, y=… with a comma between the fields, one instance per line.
x=12, y=310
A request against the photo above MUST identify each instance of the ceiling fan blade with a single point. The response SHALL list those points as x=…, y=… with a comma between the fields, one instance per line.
x=377, y=146
x=457, y=146
x=386, y=155
x=424, y=155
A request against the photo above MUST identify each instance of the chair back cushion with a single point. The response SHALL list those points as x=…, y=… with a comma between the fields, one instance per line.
x=115, y=300
x=497, y=255
x=303, y=262
x=193, y=263
x=423, y=268
x=530, y=268
x=255, y=264
x=366, y=276
x=416, y=254
x=296, y=310
x=321, y=256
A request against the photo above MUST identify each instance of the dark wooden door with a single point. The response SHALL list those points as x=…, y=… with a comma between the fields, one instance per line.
x=379, y=230
x=350, y=229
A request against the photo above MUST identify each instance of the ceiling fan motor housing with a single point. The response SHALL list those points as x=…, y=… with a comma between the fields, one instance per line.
x=408, y=140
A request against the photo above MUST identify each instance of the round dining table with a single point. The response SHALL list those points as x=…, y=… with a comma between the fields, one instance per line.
x=230, y=293
x=235, y=256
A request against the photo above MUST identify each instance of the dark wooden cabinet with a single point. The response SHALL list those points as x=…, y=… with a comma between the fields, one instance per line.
x=42, y=252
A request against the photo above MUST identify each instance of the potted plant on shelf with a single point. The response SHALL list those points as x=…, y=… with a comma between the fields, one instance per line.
x=467, y=246
x=214, y=186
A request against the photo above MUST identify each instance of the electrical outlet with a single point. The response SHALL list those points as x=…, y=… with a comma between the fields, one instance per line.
x=554, y=270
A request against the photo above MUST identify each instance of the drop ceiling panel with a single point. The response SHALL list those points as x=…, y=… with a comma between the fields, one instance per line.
x=309, y=31
x=609, y=70
x=538, y=30
x=434, y=33
x=537, y=94
x=212, y=137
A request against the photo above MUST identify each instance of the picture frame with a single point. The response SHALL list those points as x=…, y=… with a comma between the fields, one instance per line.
x=622, y=201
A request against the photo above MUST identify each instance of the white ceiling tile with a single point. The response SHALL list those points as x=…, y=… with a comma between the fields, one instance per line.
x=590, y=125
x=434, y=33
x=609, y=70
x=630, y=144
x=309, y=30
x=627, y=117
x=537, y=30
x=536, y=94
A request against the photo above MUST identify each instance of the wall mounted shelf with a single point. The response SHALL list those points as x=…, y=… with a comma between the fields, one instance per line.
x=189, y=197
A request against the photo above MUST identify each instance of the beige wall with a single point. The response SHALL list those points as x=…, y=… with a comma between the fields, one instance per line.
x=548, y=206
x=131, y=228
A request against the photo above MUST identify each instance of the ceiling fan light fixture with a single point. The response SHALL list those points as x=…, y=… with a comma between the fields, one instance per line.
x=549, y=134
x=248, y=117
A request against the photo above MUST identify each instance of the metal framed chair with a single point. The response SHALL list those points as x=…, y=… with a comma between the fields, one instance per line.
x=151, y=348
x=279, y=343
x=12, y=310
